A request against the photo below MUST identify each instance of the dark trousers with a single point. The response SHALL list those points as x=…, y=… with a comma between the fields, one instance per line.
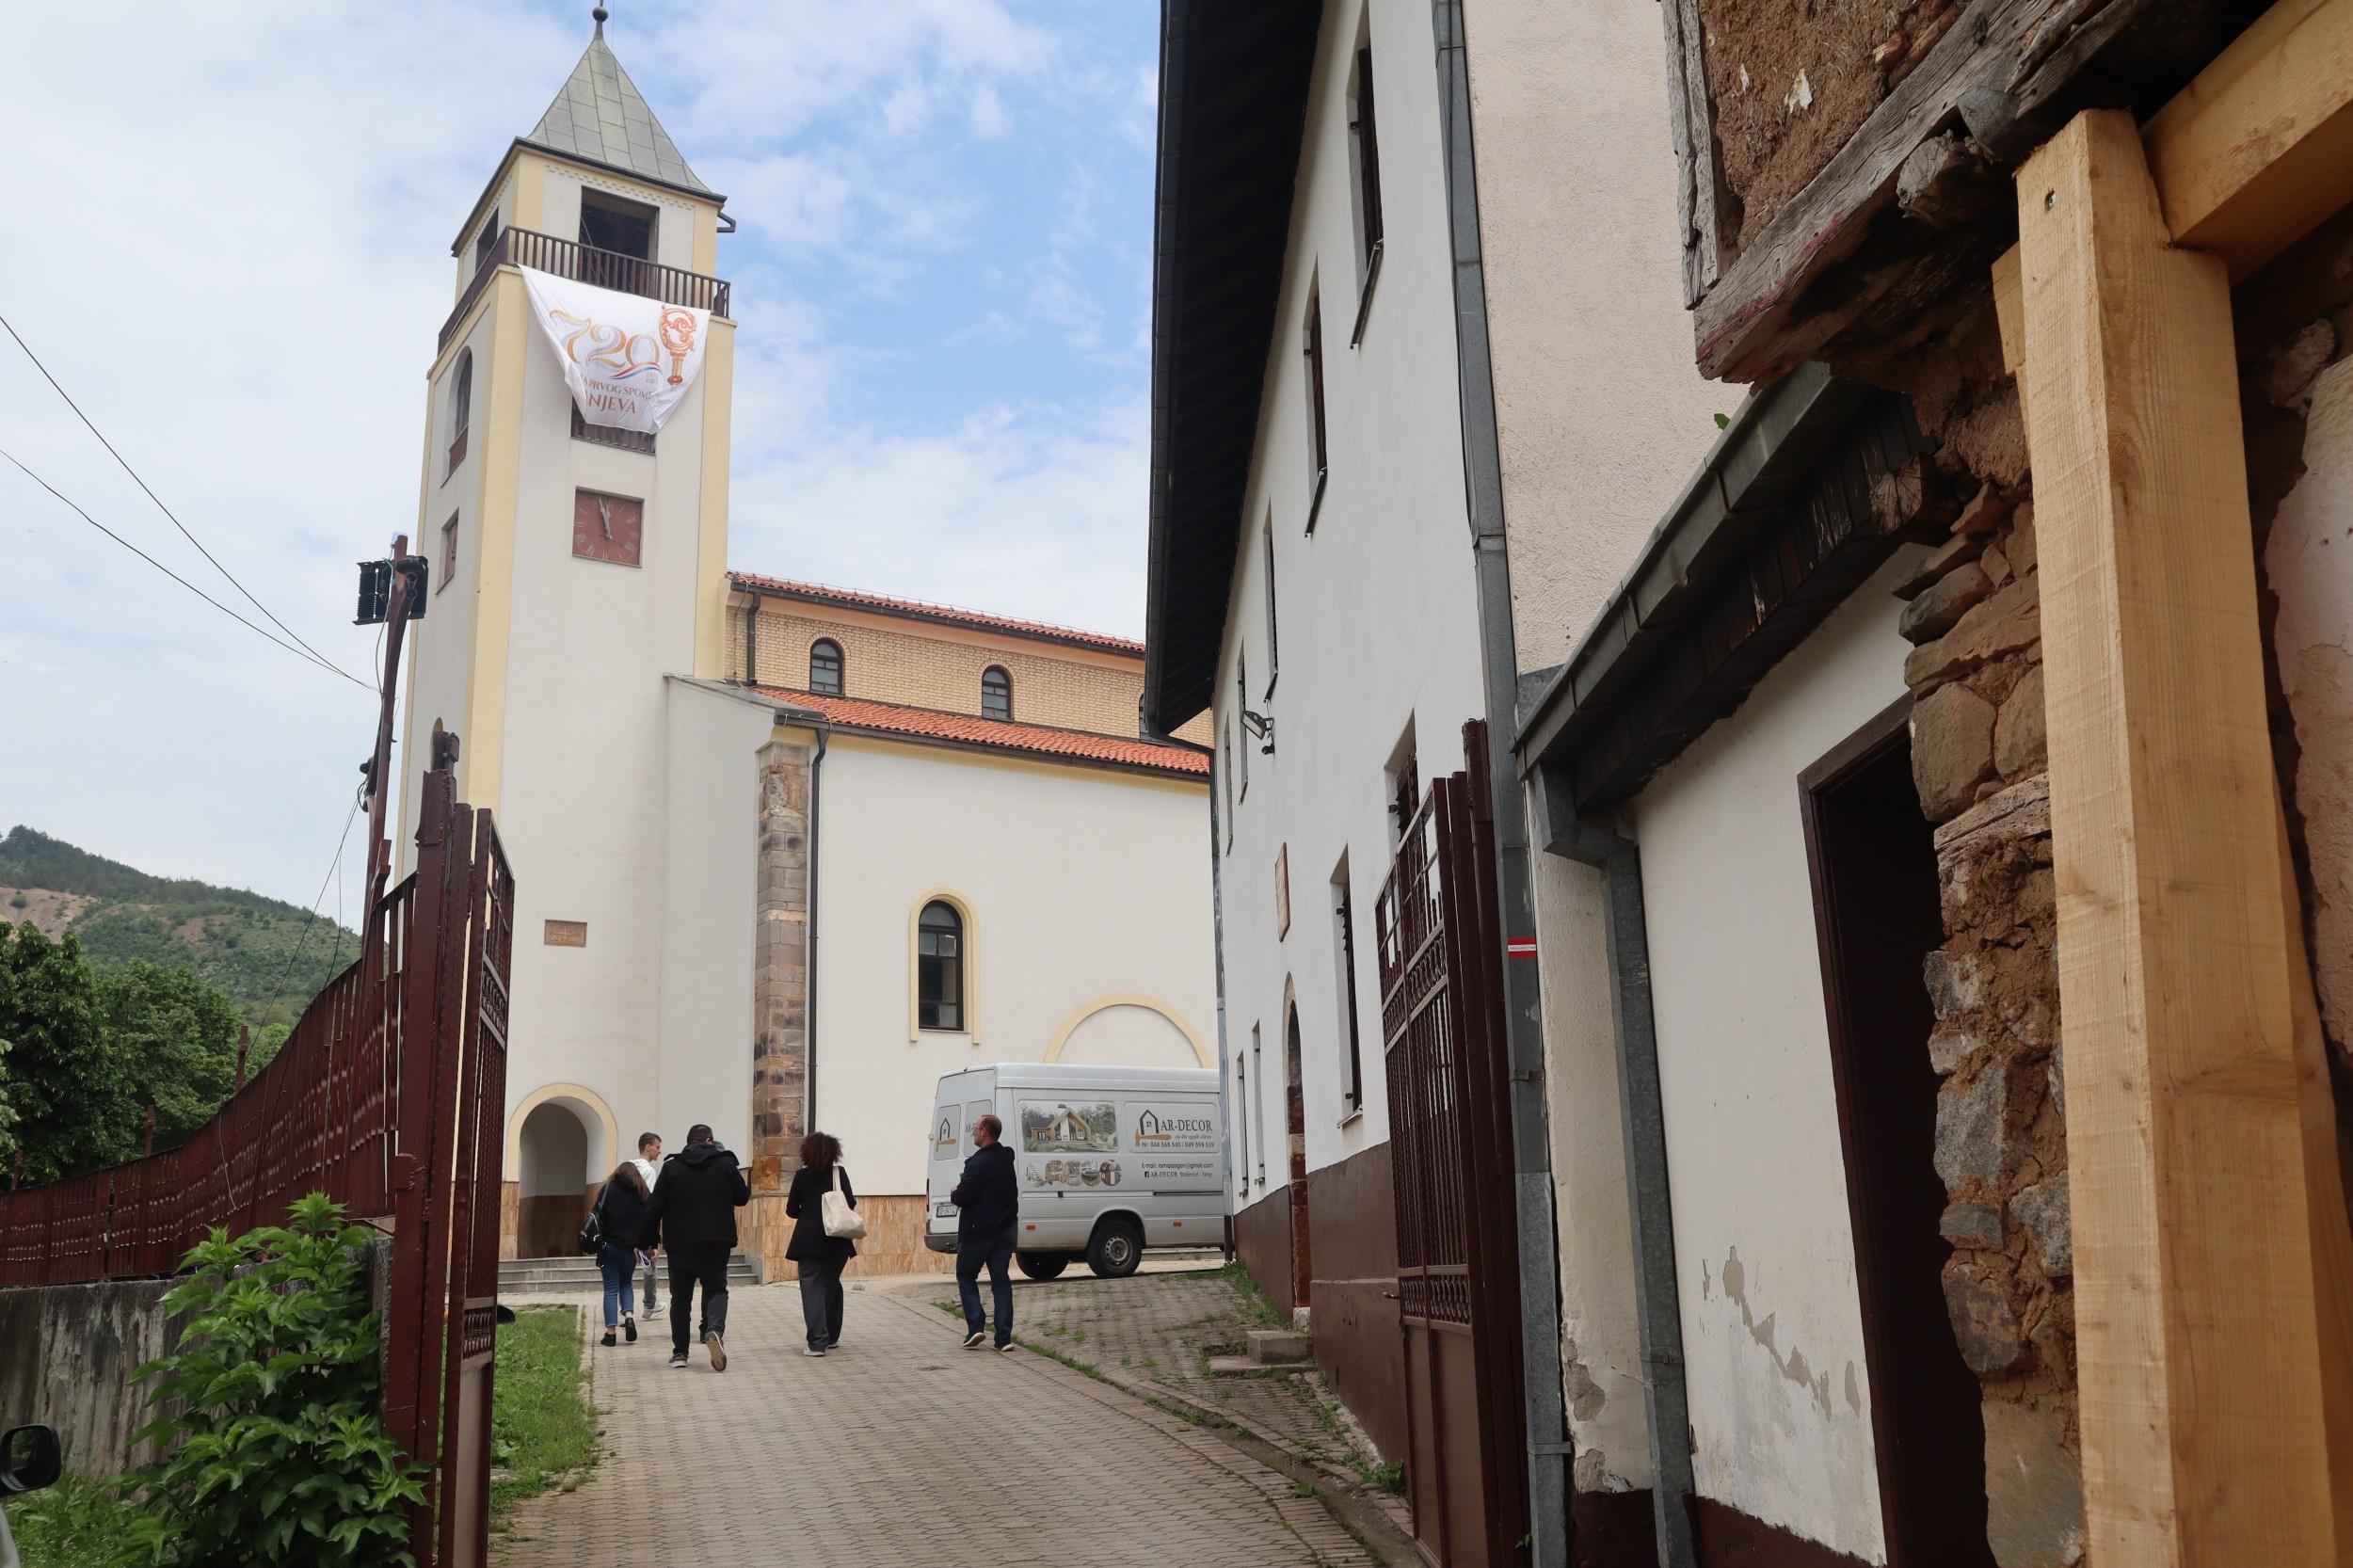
x=821, y=1300
x=703, y=1263
x=995, y=1252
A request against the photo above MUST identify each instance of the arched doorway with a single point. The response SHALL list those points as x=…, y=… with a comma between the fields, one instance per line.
x=1295, y=1118
x=555, y=1180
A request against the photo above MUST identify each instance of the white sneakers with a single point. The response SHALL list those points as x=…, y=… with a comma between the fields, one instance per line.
x=718, y=1351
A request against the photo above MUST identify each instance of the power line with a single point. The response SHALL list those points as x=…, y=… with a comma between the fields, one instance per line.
x=334, y=874
x=302, y=653
x=159, y=500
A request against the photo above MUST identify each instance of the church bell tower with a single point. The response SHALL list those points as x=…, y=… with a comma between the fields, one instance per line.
x=574, y=568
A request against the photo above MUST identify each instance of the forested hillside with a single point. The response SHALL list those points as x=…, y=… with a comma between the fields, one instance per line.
x=268, y=957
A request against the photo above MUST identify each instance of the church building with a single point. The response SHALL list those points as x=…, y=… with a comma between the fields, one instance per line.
x=785, y=854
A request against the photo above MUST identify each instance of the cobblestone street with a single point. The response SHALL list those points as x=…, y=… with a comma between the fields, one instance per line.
x=901, y=1447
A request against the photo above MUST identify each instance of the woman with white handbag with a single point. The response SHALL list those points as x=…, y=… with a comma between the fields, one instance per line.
x=826, y=1227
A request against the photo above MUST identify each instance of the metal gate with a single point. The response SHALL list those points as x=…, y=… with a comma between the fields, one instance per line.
x=1441, y=951
x=388, y=1097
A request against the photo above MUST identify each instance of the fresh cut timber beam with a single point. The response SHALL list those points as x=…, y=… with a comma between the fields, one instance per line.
x=2205, y=1435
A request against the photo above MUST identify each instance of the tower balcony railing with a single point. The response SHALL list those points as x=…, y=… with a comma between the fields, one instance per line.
x=585, y=263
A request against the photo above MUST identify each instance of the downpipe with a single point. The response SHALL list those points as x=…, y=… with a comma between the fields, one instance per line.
x=1643, y=1118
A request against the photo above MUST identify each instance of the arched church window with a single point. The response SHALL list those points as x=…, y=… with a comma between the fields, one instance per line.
x=824, y=668
x=460, y=406
x=940, y=967
x=996, y=694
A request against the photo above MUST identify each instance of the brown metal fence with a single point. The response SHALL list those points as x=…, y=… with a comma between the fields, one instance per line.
x=1441, y=953
x=388, y=1097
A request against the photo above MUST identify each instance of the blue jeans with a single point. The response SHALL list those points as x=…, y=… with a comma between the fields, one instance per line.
x=620, y=1294
x=995, y=1252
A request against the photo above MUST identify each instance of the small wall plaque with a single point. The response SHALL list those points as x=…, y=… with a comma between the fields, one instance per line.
x=568, y=934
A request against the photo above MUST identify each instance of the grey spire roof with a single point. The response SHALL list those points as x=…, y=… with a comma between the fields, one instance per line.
x=601, y=117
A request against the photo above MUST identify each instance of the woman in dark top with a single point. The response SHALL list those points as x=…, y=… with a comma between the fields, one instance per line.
x=620, y=1215
x=820, y=1255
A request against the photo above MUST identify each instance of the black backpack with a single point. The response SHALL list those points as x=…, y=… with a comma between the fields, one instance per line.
x=592, y=1228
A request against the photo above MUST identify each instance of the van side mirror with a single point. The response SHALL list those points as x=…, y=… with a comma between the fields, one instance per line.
x=30, y=1458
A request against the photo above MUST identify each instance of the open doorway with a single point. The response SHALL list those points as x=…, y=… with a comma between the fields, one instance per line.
x=1295, y=1124
x=554, y=1182
x=1878, y=914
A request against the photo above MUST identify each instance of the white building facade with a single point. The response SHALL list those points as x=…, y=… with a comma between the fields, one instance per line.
x=734, y=875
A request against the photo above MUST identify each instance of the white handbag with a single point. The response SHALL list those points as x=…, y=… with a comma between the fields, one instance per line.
x=842, y=1221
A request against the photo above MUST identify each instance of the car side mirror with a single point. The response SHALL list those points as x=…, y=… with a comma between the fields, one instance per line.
x=30, y=1458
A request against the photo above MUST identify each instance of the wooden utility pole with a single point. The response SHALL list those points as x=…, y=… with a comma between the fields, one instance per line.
x=2205, y=1437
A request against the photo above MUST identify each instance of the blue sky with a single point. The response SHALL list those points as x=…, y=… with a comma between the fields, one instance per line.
x=229, y=240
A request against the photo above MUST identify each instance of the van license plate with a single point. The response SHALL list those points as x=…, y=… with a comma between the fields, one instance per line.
x=946, y=1211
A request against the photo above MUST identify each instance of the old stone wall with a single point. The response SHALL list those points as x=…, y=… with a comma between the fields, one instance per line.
x=1979, y=765
x=780, y=1001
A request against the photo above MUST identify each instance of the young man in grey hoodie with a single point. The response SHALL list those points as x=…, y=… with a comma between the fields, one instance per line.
x=649, y=1163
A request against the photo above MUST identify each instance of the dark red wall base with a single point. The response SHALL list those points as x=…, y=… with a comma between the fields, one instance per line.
x=1728, y=1538
x=1614, y=1529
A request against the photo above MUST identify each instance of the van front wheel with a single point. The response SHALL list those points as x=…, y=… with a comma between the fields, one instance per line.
x=1042, y=1265
x=1115, y=1250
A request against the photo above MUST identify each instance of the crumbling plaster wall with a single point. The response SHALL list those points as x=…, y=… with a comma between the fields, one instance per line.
x=1779, y=1387
x=1600, y=1334
x=2295, y=326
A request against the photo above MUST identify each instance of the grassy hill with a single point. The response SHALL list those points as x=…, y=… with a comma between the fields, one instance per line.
x=268, y=956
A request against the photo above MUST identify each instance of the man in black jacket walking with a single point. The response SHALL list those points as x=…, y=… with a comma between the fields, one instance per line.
x=692, y=1215
x=987, y=1218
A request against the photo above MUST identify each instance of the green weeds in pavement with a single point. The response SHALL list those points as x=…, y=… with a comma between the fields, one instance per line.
x=1255, y=1304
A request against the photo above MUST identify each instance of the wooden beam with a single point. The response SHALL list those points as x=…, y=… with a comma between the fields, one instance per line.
x=2256, y=151
x=2205, y=1440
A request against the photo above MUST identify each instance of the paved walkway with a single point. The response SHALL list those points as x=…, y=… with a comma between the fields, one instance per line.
x=900, y=1448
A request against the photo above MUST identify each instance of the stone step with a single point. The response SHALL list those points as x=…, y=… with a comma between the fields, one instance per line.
x=1278, y=1347
x=565, y=1275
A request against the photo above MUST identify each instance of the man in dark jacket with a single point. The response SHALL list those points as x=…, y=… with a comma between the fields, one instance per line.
x=987, y=1218
x=692, y=1216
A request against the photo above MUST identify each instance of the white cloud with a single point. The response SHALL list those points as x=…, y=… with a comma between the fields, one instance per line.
x=230, y=235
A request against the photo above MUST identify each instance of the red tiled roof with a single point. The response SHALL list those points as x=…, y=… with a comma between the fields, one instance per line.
x=849, y=599
x=889, y=718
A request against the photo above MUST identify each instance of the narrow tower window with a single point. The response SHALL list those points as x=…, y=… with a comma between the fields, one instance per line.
x=486, y=242
x=1319, y=448
x=996, y=694
x=1368, y=149
x=460, y=406
x=449, y=553
x=940, y=967
x=1274, y=647
x=824, y=668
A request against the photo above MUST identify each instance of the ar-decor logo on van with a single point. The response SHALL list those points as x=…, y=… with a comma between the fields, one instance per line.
x=1156, y=1130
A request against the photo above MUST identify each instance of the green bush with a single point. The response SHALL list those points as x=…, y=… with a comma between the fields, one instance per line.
x=543, y=1428
x=282, y=1457
x=76, y=1524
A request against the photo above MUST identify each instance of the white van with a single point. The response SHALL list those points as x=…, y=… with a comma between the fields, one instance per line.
x=1109, y=1161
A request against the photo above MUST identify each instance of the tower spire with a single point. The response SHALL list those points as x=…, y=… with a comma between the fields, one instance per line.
x=600, y=13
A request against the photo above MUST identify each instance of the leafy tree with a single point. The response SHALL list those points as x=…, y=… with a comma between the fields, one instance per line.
x=75, y=1104
x=278, y=1454
x=176, y=1038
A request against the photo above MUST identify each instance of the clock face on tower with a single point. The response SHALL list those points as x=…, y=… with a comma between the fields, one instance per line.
x=607, y=527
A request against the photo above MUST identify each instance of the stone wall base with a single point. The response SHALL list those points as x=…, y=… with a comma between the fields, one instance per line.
x=893, y=1244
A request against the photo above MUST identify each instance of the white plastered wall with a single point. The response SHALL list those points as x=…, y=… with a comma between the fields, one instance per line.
x=709, y=910
x=1378, y=616
x=1081, y=883
x=1772, y=1334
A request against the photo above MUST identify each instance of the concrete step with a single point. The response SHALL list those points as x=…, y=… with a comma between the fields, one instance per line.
x=527, y=1276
